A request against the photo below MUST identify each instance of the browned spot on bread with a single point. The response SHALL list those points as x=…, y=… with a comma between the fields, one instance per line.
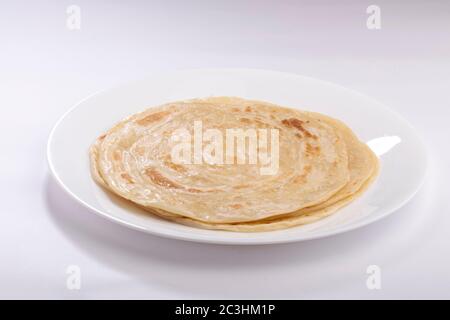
x=292, y=122
x=174, y=166
x=152, y=118
x=302, y=178
x=245, y=120
x=193, y=190
x=298, y=124
x=117, y=155
x=236, y=206
x=102, y=137
x=248, y=109
x=127, y=177
x=298, y=135
x=235, y=109
x=242, y=186
x=161, y=180
x=311, y=150
x=261, y=123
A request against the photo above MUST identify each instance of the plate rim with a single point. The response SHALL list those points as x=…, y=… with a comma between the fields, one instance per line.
x=237, y=241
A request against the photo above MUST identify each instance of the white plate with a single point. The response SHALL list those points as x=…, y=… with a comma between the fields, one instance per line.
x=402, y=153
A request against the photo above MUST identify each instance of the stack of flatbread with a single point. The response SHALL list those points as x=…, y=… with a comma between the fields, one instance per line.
x=159, y=160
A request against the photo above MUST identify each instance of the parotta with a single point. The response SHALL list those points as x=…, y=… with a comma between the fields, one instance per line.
x=318, y=162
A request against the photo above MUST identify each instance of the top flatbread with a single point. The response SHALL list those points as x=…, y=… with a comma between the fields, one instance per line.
x=133, y=160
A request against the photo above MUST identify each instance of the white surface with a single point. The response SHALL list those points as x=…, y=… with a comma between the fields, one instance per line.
x=45, y=68
x=390, y=136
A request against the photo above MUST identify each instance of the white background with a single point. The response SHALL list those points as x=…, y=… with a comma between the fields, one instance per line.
x=45, y=68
